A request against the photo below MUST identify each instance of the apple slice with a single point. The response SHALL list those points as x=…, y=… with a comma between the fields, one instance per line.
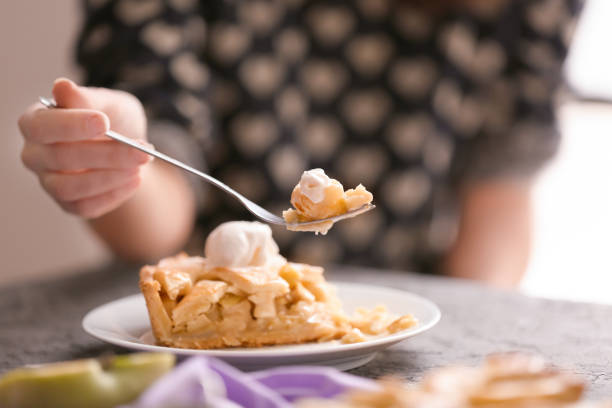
x=92, y=383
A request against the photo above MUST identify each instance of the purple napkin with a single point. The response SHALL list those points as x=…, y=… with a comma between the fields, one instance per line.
x=203, y=381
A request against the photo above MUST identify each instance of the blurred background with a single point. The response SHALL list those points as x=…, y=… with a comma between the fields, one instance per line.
x=571, y=255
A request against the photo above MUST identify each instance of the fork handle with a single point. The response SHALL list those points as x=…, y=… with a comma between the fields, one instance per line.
x=143, y=148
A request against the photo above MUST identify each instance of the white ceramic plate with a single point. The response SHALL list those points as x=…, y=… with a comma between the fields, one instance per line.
x=125, y=322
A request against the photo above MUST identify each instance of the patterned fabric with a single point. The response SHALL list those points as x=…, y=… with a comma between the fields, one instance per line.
x=379, y=92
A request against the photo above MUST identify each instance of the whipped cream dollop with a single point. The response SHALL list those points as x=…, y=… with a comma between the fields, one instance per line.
x=313, y=184
x=237, y=244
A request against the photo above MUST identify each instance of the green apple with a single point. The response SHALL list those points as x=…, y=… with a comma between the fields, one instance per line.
x=92, y=383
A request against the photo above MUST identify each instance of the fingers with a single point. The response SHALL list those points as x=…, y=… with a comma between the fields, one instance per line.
x=93, y=207
x=87, y=173
x=88, y=117
x=40, y=125
x=68, y=187
x=67, y=94
x=102, y=154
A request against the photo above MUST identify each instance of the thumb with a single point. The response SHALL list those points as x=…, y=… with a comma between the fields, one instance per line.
x=124, y=110
x=67, y=94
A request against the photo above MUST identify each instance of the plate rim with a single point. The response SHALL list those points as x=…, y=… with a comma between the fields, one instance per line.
x=269, y=352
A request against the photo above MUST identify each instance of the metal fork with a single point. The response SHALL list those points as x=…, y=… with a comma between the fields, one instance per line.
x=255, y=209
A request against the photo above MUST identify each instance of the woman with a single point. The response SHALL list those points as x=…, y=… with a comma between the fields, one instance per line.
x=442, y=109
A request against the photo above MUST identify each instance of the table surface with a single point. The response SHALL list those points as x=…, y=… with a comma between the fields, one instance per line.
x=41, y=322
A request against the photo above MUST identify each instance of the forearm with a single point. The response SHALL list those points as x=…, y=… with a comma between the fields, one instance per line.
x=155, y=222
x=494, y=238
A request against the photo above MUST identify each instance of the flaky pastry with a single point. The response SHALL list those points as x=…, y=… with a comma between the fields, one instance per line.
x=508, y=380
x=317, y=197
x=243, y=293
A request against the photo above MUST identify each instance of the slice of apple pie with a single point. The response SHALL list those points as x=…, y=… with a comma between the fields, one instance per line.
x=244, y=293
x=317, y=197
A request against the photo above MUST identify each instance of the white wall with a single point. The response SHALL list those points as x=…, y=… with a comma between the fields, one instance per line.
x=573, y=207
x=35, y=236
x=573, y=199
x=590, y=61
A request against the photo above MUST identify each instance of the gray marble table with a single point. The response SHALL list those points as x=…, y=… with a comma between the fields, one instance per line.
x=41, y=322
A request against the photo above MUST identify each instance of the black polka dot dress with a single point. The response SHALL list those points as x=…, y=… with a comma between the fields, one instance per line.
x=412, y=104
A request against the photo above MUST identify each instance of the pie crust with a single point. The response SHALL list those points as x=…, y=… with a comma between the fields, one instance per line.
x=336, y=201
x=195, y=305
x=508, y=380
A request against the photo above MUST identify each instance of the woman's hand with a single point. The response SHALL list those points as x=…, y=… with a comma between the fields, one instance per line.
x=85, y=172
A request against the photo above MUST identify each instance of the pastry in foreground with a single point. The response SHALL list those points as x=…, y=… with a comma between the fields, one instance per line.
x=505, y=380
x=243, y=293
x=317, y=197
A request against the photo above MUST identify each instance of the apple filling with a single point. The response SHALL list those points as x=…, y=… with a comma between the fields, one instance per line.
x=317, y=197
